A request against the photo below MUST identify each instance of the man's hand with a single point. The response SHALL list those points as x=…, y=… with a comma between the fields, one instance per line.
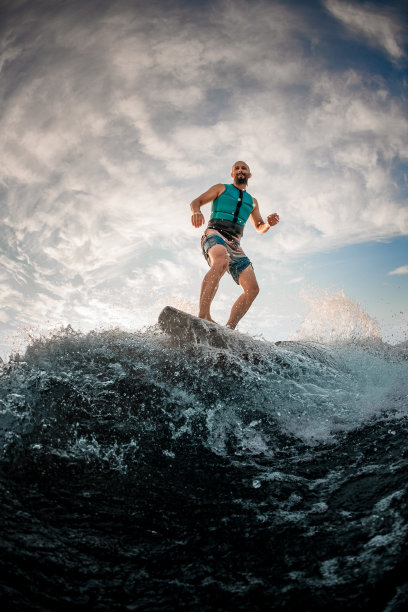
x=273, y=219
x=197, y=219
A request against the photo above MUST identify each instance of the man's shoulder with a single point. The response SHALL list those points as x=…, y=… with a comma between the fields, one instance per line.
x=219, y=188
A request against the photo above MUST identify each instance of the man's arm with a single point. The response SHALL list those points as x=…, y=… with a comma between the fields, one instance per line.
x=213, y=192
x=259, y=224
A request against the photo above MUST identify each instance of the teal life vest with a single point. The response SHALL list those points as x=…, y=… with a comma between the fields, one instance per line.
x=231, y=210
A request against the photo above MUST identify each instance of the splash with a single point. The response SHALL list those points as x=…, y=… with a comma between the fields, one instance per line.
x=335, y=318
x=182, y=303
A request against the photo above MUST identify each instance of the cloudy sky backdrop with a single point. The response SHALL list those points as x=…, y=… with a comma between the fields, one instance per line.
x=115, y=115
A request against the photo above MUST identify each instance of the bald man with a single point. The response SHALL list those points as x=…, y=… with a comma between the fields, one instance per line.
x=232, y=206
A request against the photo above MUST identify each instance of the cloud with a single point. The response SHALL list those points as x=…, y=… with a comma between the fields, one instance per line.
x=298, y=279
x=380, y=26
x=113, y=120
x=400, y=270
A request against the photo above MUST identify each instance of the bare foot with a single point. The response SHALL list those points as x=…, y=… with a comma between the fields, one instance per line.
x=208, y=318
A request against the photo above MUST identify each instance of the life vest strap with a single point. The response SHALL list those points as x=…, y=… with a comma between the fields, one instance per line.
x=238, y=206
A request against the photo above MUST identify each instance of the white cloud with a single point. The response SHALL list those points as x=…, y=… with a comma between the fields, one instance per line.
x=400, y=270
x=380, y=26
x=298, y=279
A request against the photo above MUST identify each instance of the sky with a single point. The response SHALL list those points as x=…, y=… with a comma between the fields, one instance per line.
x=115, y=115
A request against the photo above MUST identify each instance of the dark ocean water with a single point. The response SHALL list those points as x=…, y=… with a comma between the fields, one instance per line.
x=140, y=476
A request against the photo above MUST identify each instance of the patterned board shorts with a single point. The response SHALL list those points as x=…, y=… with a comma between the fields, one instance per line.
x=238, y=261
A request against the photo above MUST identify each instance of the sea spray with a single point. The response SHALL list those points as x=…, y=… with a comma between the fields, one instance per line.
x=335, y=318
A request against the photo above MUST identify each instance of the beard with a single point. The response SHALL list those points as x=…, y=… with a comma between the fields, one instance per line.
x=241, y=180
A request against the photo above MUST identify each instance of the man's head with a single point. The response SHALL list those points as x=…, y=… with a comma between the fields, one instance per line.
x=240, y=173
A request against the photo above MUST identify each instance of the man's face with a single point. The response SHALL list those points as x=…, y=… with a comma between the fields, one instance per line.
x=240, y=173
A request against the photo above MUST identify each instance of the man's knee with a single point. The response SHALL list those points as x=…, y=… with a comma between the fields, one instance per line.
x=219, y=258
x=221, y=264
x=252, y=291
x=220, y=261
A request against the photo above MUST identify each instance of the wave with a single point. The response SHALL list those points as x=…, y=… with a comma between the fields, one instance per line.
x=109, y=395
x=136, y=474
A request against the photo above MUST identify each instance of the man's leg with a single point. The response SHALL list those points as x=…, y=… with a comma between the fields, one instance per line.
x=219, y=260
x=250, y=288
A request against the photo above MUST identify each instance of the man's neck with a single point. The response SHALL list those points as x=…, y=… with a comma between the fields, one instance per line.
x=241, y=187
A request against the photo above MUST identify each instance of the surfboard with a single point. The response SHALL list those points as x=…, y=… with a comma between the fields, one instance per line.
x=187, y=328
x=184, y=329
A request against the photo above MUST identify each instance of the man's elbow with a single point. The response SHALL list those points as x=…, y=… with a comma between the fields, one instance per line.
x=262, y=228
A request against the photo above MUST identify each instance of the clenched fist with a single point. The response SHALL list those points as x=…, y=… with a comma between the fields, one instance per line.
x=197, y=219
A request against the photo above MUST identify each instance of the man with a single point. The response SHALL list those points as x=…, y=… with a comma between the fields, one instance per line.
x=232, y=205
